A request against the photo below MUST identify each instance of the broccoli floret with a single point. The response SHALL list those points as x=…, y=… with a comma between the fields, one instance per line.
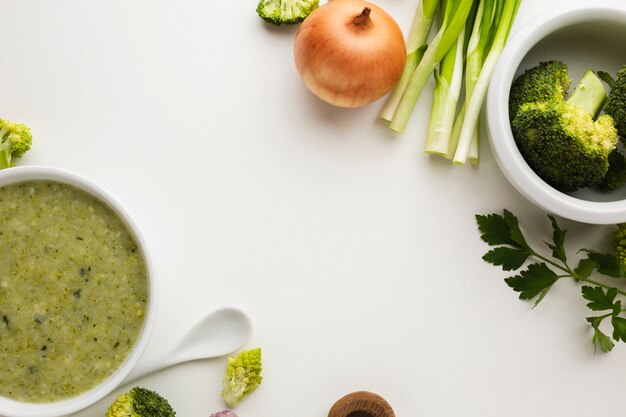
x=242, y=376
x=616, y=175
x=15, y=140
x=287, y=12
x=548, y=81
x=140, y=402
x=616, y=103
x=619, y=244
x=561, y=141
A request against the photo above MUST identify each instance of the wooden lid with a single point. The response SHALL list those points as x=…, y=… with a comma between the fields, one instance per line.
x=361, y=404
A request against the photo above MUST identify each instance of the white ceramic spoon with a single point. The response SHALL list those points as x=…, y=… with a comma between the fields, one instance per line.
x=220, y=332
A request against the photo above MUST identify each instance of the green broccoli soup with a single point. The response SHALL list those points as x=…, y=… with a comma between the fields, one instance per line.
x=73, y=291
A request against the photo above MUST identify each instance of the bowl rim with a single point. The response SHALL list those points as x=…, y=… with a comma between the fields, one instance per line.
x=13, y=408
x=506, y=153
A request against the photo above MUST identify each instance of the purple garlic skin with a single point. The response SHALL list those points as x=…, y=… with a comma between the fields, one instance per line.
x=225, y=413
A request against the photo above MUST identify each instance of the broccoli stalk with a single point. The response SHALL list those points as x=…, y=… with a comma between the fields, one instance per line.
x=15, y=140
x=242, y=376
x=140, y=402
x=589, y=94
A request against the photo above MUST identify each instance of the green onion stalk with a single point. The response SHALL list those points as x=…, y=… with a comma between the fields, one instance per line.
x=456, y=17
x=458, y=121
x=456, y=133
x=480, y=31
x=416, y=46
x=448, y=82
x=500, y=27
x=488, y=14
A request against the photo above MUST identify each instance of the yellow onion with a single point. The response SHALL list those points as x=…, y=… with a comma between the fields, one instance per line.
x=349, y=52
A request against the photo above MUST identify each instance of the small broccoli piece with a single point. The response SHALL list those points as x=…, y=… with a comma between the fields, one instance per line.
x=616, y=175
x=619, y=244
x=140, y=402
x=616, y=103
x=287, y=12
x=15, y=140
x=548, y=81
x=242, y=376
x=562, y=143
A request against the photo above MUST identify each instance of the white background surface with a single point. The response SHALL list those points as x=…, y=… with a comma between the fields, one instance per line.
x=355, y=254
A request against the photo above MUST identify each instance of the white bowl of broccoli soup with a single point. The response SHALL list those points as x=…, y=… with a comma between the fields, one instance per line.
x=77, y=293
x=573, y=38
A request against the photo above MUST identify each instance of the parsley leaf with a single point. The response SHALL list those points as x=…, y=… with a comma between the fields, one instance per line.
x=602, y=341
x=619, y=328
x=558, y=236
x=531, y=282
x=607, y=264
x=599, y=300
x=511, y=251
x=595, y=321
x=599, y=340
x=509, y=258
x=585, y=268
x=501, y=230
x=542, y=294
x=516, y=233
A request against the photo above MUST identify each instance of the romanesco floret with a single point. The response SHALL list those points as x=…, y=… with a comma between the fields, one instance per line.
x=140, y=402
x=15, y=140
x=287, y=12
x=548, y=81
x=619, y=244
x=242, y=376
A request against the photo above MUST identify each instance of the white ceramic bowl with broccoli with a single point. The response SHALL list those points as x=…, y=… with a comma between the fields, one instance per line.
x=584, y=36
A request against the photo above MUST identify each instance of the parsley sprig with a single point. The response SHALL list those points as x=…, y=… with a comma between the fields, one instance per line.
x=511, y=252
